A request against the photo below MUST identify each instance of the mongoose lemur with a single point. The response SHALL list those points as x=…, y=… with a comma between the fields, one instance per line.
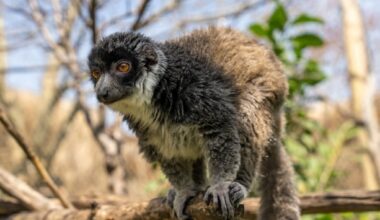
x=207, y=107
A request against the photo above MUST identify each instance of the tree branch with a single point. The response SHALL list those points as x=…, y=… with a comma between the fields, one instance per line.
x=164, y=10
x=92, y=20
x=34, y=159
x=140, y=13
x=28, y=197
x=350, y=201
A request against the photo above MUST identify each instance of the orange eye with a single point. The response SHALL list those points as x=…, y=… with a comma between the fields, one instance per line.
x=96, y=74
x=123, y=67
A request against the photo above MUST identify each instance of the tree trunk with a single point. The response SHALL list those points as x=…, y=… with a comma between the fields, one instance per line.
x=2, y=59
x=362, y=90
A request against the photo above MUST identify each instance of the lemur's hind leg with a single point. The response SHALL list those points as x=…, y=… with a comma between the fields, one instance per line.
x=278, y=200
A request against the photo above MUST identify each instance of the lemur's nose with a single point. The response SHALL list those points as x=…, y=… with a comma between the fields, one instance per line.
x=103, y=95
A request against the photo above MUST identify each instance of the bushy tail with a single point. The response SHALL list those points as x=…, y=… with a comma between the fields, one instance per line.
x=279, y=198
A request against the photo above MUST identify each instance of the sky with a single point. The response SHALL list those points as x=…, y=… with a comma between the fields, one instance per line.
x=333, y=60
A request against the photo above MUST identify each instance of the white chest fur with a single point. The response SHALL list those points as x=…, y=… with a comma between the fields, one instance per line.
x=171, y=140
x=174, y=140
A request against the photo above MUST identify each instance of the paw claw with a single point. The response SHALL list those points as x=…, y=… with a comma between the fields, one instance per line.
x=181, y=200
x=221, y=199
x=207, y=198
x=237, y=193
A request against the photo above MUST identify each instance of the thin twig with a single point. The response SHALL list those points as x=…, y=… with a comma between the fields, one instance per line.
x=34, y=159
x=225, y=13
x=140, y=14
x=166, y=9
x=114, y=20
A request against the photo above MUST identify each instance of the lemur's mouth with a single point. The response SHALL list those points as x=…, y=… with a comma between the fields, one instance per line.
x=113, y=101
x=109, y=102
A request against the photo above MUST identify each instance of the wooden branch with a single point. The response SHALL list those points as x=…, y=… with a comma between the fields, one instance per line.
x=34, y=159
x=351, y=201
x=140, y=13
x=62, y=49
x=8, y=208
x=71, y=14
x=163, y=11
x=358, y=201
x=28, y=197
x=39, y=20
x=113, y=21
x=92, y=9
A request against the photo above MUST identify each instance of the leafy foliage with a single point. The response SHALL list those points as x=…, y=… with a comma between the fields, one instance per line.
x=303, y=71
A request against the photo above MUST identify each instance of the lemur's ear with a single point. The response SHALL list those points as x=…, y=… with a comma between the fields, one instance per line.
x=150, y=54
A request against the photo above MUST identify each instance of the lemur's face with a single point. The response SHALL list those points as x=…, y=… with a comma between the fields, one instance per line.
x=117, y=64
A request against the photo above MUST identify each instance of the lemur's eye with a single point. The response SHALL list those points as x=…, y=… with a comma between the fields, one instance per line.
x=96, y=74
x=123, y=67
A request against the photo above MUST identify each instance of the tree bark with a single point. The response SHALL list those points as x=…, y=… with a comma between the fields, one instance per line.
x=358, y=201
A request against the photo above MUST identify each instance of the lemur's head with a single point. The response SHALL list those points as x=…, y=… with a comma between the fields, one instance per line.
x=124, y=64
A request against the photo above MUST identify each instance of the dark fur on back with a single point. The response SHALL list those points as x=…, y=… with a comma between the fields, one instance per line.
x=181, y=92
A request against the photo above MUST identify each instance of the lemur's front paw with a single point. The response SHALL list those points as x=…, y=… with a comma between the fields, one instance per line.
x=219, y=195
x=181, y=200
x=238, y=192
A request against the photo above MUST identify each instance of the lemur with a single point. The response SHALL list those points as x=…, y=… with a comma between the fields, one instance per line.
x=207, y=107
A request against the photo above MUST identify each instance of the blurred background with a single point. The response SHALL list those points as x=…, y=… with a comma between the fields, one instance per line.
x=329, y=48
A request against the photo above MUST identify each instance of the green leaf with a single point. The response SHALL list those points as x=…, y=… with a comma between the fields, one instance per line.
x=295, y=86
x=259, y=30
x=298, y=53
x=305, y=18
x=278, y=50
x=312, y=67
x=313, y=74
x=278, y=18
x=306, y=40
